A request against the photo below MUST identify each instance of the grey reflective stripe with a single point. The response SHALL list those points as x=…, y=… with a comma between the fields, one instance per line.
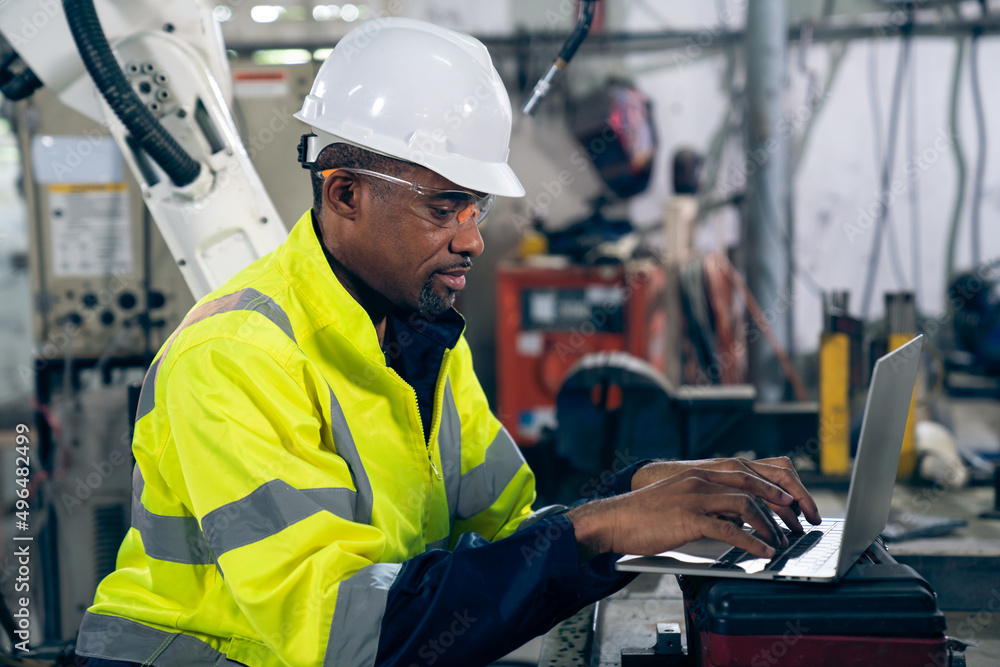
x=146, y=394
x=245, y=299
x=357, y=617
x=482, y=486
x=173, y=538
x=116, y=638
x=543, y=513
x=269, y=509
x=251, y=299
x=438, y=544
x=450, y=448
x=343, y=442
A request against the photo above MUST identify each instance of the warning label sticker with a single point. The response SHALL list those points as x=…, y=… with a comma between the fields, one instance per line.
x=90, y=228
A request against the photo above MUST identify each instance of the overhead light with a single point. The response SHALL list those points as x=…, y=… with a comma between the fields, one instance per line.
x=281, y=56
x=326, y=12
x=322, y=54
x=350, y=13
x=222, y=13
x=266, y=13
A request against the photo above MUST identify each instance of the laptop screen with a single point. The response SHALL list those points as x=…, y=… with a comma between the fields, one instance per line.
x=882, y=429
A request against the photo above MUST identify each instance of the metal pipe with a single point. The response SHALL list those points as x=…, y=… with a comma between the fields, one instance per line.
x=613, y=43
x=956, y=148
x=766, y=237
x=885, y=182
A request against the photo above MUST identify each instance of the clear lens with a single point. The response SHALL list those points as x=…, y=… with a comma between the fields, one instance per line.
x=444, y=208
x=449, y=208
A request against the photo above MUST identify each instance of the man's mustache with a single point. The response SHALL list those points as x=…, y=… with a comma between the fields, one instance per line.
x=464, y=265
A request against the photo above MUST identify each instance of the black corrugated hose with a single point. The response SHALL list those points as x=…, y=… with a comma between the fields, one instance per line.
x=107, y=75
x=580, y=32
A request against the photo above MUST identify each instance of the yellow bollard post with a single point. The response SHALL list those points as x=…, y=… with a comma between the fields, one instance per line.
x=834, y=408
x=901, y=322
x=908, y=456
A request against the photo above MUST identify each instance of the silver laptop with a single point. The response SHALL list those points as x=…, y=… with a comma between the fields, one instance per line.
x=827, y=551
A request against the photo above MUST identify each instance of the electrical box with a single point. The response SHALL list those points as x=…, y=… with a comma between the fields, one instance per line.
x=548, y=318
x=101, y=276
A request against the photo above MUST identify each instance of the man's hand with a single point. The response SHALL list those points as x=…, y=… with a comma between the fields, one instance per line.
x=688, y=506
x=777, y=471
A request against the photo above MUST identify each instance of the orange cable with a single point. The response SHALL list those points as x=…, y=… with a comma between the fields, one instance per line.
x=758, y=316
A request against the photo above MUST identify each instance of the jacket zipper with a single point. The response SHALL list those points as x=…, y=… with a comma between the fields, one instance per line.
x=445, y=363
x=438, y=400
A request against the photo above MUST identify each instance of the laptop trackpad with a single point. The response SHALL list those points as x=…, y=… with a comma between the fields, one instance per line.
x=704, y=551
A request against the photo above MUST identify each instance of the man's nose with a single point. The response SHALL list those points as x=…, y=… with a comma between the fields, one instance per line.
x=467, y=239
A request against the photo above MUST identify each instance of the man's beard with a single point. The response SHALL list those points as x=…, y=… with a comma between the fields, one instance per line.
x=432, y=304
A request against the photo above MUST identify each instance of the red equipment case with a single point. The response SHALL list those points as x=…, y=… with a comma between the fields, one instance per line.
x=880, y=613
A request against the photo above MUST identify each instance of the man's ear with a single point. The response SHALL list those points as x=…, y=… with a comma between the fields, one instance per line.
x=342, y=194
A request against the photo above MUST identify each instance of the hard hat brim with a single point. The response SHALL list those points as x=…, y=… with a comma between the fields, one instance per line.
x=493, y=178
x=490, y=177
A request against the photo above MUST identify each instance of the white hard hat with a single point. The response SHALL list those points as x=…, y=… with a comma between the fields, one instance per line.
x=420, y=93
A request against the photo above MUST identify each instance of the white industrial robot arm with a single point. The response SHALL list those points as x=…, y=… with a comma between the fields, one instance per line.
x=182, y=146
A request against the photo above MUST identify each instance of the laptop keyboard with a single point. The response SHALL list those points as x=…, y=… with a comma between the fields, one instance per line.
x=804, y=548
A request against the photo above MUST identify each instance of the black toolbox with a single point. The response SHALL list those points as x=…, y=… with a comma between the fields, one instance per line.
x=880, y=613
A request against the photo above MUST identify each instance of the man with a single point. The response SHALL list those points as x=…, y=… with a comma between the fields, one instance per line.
x=319, y=480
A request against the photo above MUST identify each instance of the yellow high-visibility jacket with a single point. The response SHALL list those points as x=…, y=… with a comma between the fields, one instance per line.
x=288, y=510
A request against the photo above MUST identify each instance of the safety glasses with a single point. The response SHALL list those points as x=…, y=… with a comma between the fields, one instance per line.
x=444, y=208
